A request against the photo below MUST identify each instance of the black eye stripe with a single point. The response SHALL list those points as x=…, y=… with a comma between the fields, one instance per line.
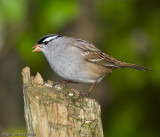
x=58, y=36
x=46, y=42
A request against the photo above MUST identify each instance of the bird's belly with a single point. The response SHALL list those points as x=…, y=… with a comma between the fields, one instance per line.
x=78, y=71
x=73, y=72
x=70, y=68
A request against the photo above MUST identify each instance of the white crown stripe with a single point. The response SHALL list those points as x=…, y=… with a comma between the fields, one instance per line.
x=49, y=38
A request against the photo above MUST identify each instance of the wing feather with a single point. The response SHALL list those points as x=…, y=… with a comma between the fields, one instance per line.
x=94, y=55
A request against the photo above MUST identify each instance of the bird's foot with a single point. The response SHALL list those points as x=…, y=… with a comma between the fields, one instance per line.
x=61, y=82
x=84, y=94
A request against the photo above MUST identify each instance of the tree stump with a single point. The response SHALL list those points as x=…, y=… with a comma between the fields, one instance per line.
x=58, y=111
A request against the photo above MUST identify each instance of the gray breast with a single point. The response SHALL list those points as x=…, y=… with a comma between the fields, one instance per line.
x=66, y=63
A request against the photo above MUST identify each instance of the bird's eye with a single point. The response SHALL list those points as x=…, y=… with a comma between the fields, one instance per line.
x=45, y=42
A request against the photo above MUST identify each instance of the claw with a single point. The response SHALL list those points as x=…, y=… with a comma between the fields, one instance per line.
x=62, y=82
x=84, y=94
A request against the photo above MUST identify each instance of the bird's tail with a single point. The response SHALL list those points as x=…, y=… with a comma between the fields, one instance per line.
x=134, y=66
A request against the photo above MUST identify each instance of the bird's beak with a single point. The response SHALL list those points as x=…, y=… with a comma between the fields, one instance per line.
x=37, y=48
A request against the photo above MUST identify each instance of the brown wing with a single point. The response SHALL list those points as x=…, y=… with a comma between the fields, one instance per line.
x=94, y=55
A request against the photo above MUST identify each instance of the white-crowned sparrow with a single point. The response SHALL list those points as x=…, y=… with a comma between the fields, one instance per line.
x=77, y=60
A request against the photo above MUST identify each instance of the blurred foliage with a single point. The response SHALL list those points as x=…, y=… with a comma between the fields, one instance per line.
x=128, y=30
x=12, y=11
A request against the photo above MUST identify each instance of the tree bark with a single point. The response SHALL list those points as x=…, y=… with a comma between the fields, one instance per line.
x=58, y=111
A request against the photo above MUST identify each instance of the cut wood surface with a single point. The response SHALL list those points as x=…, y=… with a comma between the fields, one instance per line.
x=58, y=111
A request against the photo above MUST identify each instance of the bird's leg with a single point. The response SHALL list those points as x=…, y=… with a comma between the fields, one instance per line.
x=86, y=94
x=63, y=82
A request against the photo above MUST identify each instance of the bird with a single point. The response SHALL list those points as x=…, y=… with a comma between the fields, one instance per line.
x=79, y=61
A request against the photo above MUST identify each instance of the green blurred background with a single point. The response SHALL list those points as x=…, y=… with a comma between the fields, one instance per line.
x=128, y=30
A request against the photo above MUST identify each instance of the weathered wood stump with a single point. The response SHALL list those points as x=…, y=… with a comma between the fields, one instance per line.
x=58, y=111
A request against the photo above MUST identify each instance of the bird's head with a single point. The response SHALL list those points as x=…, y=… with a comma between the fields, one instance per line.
x=46, y=43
